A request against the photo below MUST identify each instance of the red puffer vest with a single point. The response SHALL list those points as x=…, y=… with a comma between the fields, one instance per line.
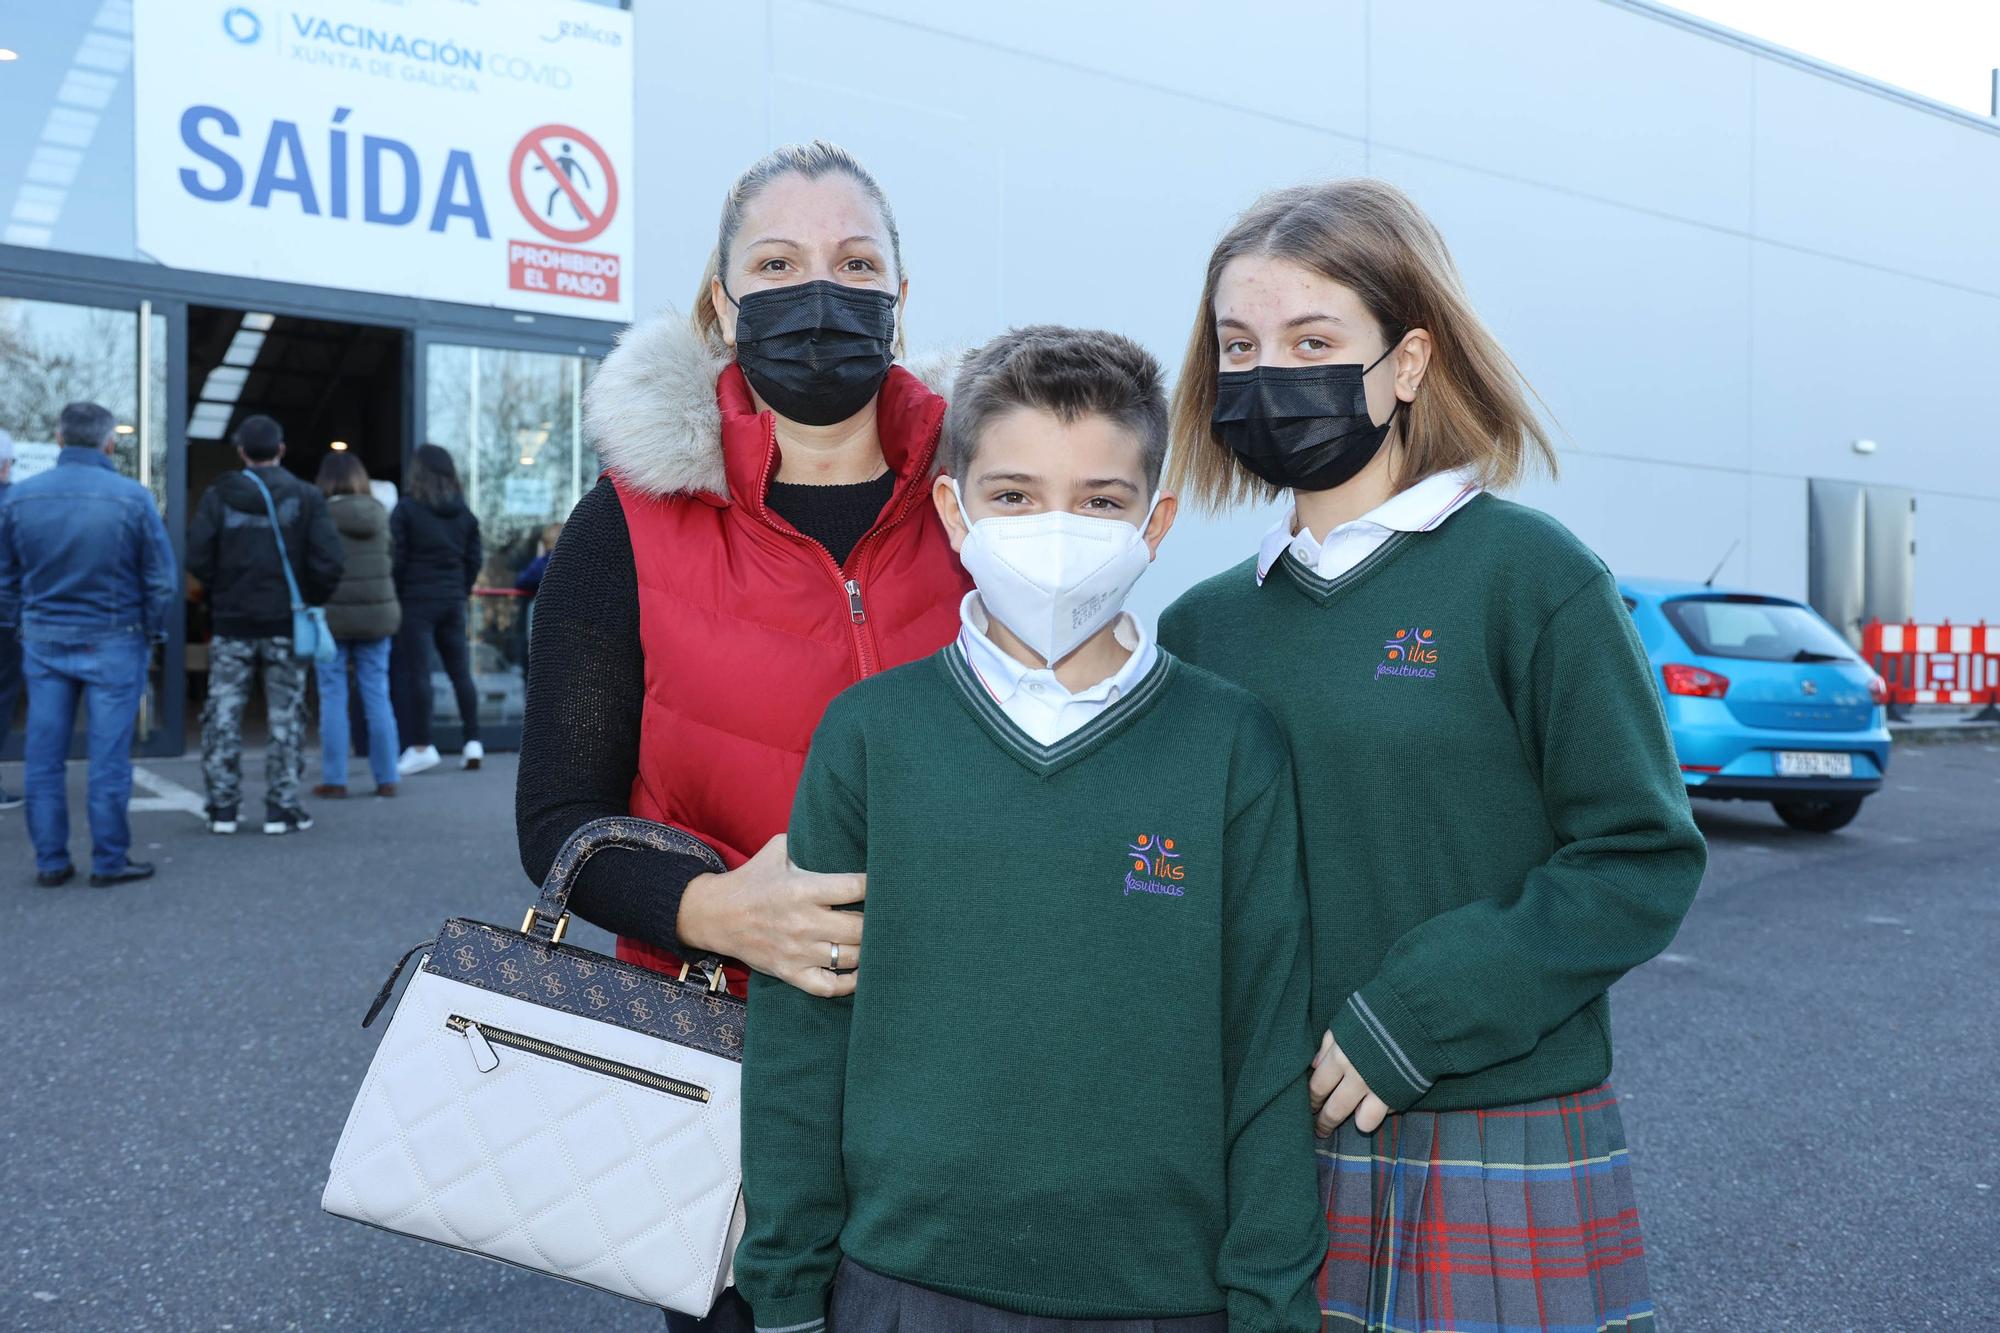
x=748, y=628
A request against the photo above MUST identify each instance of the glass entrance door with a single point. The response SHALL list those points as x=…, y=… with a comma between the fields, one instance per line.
x=56, y=352
x=512, y=419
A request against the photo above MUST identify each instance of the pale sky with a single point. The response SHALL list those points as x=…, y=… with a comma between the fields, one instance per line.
x=1944, y=49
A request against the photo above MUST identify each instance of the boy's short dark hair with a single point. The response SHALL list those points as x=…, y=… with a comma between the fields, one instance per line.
x=1068, y=372
x=260, y=438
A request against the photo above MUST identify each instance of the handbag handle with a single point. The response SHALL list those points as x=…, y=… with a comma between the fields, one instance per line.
x=549, y=917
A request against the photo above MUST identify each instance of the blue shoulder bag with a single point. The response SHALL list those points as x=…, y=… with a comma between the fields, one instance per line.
x=312, y=639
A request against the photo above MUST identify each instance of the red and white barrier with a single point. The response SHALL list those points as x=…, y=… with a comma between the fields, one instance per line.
x=1935, y=664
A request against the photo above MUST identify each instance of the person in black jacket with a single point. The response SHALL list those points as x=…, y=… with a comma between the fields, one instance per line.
x=233, y=552
x=437, y=562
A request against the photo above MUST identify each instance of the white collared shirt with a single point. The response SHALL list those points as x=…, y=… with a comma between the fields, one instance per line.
x=1032, y=698
x=1421, y=508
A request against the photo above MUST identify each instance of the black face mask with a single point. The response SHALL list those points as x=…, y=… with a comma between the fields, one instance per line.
x=817, y=352
x=1306, y=428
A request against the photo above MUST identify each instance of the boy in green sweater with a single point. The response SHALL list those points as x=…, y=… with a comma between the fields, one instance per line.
x=1071, y=1082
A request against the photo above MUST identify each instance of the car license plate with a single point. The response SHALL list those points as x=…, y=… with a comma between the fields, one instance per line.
x=1814, y=764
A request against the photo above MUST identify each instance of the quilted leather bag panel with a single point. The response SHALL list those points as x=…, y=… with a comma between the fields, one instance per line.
x=563, y=1169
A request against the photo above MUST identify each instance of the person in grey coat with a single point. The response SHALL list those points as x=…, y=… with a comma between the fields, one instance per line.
x=363, y=614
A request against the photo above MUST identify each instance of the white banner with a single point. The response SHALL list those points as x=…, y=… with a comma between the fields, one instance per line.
x=459, y=150
x=31, y=459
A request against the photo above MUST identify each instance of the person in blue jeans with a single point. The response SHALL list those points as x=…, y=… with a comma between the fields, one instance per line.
x=363, y=614
x=87, y=578
x=10, y=643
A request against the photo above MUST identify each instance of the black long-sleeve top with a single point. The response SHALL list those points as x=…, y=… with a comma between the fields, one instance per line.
x=586, y=682
x=438, y=552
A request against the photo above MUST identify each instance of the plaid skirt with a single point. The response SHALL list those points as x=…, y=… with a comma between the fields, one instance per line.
x=1510, y=1220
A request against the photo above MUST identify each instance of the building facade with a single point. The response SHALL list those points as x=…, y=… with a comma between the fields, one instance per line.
x=1757, y=295
x=1719, y=264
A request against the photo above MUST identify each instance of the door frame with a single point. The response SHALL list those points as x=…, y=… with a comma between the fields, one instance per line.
x=169, y=729
x=119, y=284
x=502, y=736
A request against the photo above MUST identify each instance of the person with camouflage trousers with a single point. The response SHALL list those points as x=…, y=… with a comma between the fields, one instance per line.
x=233, y=552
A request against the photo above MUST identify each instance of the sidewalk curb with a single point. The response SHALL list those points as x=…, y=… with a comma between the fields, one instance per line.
x=1943, y=733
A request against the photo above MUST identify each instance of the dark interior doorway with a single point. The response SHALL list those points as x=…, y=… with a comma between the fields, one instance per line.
x=330, y=385
x=325, y=382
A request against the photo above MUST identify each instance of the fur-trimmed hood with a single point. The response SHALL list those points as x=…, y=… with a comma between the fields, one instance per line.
x=650, y=410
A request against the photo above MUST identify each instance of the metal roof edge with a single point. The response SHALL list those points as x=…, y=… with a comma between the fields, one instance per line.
x=1799, y=60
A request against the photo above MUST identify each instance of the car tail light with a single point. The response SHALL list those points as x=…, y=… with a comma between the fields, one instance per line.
x=1694, y=682
x=1878, y=689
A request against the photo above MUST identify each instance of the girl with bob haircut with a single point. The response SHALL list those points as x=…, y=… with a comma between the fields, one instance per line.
x=1495, y=827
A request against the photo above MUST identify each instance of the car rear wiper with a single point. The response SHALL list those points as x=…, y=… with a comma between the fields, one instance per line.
x=1808, y=655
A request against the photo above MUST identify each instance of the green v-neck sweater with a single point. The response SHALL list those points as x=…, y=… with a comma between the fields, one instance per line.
x=1495, y=824
x=1071, y=1080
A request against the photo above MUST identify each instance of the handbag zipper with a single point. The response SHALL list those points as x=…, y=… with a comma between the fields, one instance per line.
x=478, y=1034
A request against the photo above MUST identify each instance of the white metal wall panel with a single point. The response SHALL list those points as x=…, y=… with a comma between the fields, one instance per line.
x=1845, y=172
x=1582, y=96
x=1647, y=519
x=1845, y=351
x=1302, y=63
x=1563, y=280
x=701, y=113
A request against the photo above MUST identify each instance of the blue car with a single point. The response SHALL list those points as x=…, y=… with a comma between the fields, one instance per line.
x=1766, y=701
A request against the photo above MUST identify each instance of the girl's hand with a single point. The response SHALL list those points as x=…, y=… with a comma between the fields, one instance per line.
x=1338, y=1092
x=778, y=919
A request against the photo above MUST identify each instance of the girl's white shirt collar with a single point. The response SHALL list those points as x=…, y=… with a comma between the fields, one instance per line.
x=1420, y=508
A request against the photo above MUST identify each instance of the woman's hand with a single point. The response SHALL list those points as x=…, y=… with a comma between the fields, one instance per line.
x=779, y=919
x=1338, y=1092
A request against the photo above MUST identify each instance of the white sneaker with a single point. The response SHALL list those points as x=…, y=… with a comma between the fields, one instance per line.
x=418, y=758
x=471, y=755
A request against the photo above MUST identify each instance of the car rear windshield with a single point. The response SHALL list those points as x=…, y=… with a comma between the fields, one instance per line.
x=1757, y=628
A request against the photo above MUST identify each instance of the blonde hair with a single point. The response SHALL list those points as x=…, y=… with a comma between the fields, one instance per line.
x=1472, y=409
x=810, y=160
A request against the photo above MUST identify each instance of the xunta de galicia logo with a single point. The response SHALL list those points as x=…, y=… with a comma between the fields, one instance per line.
x=242, y=25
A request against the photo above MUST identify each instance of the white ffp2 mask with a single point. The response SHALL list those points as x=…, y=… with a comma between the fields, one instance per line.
x=1054, y=579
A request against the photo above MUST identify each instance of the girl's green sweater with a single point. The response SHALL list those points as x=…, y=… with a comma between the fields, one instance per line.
x=1495, y=824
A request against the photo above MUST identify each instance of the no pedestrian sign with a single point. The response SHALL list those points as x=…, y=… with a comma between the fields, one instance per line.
x=566, y=188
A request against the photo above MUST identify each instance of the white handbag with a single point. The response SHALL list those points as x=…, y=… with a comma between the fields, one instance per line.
x=549, y=1107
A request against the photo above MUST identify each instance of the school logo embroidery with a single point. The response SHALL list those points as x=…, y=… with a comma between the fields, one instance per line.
x=1412, y=652
x=1155, y=867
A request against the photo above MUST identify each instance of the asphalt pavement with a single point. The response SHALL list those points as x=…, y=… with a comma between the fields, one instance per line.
x=1809, y=1073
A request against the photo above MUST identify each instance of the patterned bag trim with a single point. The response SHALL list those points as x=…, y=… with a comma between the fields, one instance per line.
x=589, y=985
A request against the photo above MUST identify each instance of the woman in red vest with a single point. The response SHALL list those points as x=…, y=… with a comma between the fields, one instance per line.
x=760, y=540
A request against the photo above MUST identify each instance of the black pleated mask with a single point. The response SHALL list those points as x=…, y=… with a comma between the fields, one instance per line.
x=816, y=351
x=1305, y=428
